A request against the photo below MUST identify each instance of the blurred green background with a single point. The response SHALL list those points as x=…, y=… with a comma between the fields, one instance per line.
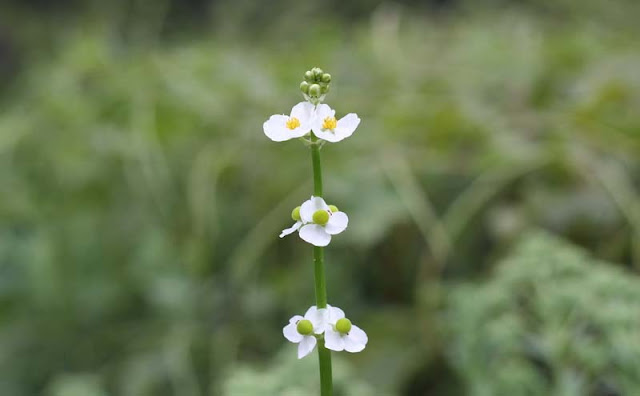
x=493, y=189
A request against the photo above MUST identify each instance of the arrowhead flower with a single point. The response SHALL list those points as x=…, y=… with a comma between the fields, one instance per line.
x=302, y=330
x=280, y=127
x=326, y=127
x=341, y=335
x=320, y=221
x=317, y=222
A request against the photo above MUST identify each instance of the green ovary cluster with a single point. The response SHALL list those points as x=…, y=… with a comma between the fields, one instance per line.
x=305, y=327
x=321, y=217
x=343, y=325
x=295, y=214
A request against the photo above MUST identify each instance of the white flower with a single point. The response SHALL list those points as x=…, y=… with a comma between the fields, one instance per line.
x=340, y=334
x=279, y=127
x=302, y=330
x=319, y=222
x=326, y=127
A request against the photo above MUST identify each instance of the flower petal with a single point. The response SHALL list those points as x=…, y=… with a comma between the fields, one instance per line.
x=333, y=340
x=310, y=206
x=315, y=235
x=356, y=340
x=335, y=313
x=291, y=230
x=304, y=112
x=318, y=318
x=306, y=346
x=347, y=125
x=295, y=319
x=290, y=332
x=337, y=223
x=358, y=334
x=276, y=128
x=322, y=111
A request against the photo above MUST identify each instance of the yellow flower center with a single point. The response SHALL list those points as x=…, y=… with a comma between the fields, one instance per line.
x=293, y=123
x=329, y=123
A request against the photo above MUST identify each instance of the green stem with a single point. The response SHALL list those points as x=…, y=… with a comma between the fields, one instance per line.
x=324, y=355
x=317, y=168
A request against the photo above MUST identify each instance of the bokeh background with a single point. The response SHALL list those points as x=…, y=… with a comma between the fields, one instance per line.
x=493, y=190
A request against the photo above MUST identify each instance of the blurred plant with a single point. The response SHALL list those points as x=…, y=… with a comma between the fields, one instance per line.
x=551, y=321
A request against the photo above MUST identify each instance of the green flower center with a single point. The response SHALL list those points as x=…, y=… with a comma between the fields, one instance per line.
x=343, y=325
x=305, y=327
x=321, y=217
x=333, y=208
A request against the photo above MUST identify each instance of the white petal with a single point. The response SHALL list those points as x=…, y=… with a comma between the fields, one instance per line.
x=306, y=346
x=315, y=235
x=328, y=135
x=337, y=223
x=322, y=111
x=358, y=334
x=356, y=340
x=333, y=340
x=291, y=230
x=276, y=128
x=335, y=313
x=318, y=318
x=299, y=131
x=290, y=332
x=347, y=125
x=295, y=319
x=304, y=112
x=309, y=207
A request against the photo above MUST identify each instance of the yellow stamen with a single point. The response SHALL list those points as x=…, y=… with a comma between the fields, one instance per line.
x=293, y=123
x=329, y=123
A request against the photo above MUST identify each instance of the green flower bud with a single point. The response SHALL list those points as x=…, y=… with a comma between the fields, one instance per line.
x=326, y=78
x=342, y=325
x=333, y=208
x=308, y=76
x=321, y=217
x=314, y=90
x=305, y=327
x=304, y=87
x=295, y=214
x=324, y=89
x=317, y=73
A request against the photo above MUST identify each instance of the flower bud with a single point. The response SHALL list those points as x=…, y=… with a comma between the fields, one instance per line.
x=295, y=214
x=333, y=208
x=314, y=90
x=304, y=87
x=305, y=327
x=324, y=89
x=342, y=325
x=317, y=73
x=308, y=76
x=326, y=78
x=320, y=217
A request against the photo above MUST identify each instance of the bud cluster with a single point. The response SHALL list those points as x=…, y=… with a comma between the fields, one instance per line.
x=315, y=85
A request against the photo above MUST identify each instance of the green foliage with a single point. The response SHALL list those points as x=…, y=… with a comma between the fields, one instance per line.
x=551, y=321
x=287, y=375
